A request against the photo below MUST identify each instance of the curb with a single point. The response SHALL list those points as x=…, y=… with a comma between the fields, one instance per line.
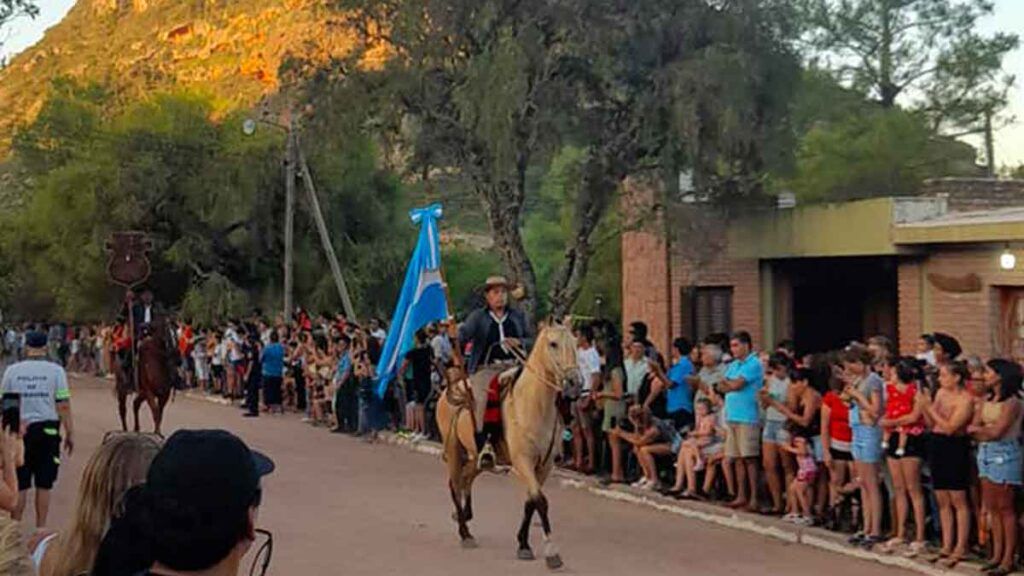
x=806, y=536
x=193, y=395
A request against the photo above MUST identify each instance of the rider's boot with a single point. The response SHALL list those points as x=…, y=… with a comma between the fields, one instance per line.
x=487, y=459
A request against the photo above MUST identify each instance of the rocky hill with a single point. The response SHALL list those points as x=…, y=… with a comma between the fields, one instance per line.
x=232, y=49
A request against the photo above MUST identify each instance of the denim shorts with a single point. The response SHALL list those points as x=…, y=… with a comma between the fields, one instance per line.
x=999, y=462
x=775, y=432
x=819, y=449
x=867, y=444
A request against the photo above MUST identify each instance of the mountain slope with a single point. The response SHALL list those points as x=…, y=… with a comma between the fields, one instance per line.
x=232, y=49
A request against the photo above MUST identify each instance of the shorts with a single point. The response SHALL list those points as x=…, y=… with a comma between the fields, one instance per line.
x=775, y=432
x=743, y=441
x=840, y=455
x=818, y=447
x=42, y=456
x=677, y=443
x=806, y=476
x=916, y=447
x=949, y=459
x=867, y=444
x=713, y=449
x=999, y=462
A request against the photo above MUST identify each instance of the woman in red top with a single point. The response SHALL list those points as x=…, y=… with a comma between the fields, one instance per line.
x=903, y=415
x=835, y=438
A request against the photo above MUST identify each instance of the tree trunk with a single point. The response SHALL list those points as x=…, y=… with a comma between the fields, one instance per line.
x=887, y=89
x=504, y=212
x=596, y=192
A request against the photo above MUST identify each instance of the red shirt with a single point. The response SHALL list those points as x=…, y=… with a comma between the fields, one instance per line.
x=839, y=418
x=899, y=404
x=122, y=340
x=185, y=341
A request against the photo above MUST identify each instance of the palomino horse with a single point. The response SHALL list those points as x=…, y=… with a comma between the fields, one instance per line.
x=154, y=386
x=532, y=440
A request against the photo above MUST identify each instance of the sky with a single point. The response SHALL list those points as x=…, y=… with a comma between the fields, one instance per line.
x=1008, y=17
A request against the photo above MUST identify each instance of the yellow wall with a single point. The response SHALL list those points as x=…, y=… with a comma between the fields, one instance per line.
x=848, y=229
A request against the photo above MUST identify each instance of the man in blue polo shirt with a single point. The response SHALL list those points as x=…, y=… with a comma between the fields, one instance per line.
x=679, y=398
x=743, y=378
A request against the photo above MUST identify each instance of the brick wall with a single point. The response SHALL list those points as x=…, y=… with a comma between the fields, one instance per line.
x=645, y=292
x=910, y=319
x=645, y=273
x=969, y=194
x=972, y=317
x=742, y=275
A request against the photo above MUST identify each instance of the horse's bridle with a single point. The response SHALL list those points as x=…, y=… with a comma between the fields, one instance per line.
x=561, y=374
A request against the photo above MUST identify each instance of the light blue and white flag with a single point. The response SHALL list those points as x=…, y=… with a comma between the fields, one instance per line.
x=422, y=299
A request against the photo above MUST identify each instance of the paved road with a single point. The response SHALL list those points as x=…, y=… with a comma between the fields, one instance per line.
x=340, y=506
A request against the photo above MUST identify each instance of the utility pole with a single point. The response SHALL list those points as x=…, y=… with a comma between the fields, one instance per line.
x=325, y=238
x=290, y=162
x=295, y=165
x=990, y=146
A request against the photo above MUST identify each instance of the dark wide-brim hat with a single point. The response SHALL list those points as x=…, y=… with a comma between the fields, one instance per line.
x=496, y=282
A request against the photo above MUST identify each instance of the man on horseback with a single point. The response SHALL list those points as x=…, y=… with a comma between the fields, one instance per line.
x=498, y=335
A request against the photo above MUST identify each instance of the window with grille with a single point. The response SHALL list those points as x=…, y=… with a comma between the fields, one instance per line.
x=706, y=310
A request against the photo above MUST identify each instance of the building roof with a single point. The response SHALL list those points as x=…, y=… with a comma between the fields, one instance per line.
x=995, y=225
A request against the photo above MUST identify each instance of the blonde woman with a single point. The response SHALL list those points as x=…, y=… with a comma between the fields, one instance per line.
x=120, y=463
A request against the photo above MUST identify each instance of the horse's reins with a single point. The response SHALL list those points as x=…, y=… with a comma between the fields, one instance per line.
x=560, y=375
x=524, y=360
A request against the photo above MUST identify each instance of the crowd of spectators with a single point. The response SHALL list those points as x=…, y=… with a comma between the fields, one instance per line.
x=323, y=367
x=896, y=450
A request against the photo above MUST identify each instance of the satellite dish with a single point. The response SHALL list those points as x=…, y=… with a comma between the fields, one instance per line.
x=249, y=127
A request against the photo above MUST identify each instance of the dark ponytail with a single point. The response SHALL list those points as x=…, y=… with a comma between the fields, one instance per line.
x=127, y=547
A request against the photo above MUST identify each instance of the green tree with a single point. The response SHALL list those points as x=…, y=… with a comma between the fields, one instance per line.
x=850, y=147
x=209, y=196
x=927, y=54
x=878, y=153
x=11, y=9
x=489, y=91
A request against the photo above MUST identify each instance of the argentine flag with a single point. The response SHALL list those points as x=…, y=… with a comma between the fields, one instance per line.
x=422, y=299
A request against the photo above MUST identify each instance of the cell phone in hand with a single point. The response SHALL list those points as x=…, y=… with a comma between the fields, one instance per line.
x=10, y=412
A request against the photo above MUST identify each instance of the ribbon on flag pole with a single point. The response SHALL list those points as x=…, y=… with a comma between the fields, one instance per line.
x=422, y=299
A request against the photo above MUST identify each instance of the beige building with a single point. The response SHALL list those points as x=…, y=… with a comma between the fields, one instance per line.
x=827, y=274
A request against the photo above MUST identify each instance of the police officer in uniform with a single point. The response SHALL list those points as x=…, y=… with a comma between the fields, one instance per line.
x=46, y=410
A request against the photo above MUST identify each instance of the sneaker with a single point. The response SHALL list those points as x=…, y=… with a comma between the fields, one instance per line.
x=915, y=549
x=804, y=521
x=641, y=483
x=870, y=542
x=891, y=545
x=885, y=445
x=791, y=517
x=856, y=539
x=900, y=452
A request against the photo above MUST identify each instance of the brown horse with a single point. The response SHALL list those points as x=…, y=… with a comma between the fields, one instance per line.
x=155, y=379
x=532, y=427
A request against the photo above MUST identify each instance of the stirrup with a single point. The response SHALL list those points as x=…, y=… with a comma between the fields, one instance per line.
x=487, y=459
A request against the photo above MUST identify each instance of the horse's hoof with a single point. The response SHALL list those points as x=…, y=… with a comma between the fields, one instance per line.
x=469, y=543
x=525, y=554
x=554, y=562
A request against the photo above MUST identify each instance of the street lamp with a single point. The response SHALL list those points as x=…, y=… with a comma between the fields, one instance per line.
x=1007, y=260
x=296, y=160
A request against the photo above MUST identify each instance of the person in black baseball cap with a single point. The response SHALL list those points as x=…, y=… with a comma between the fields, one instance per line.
x=197, y=511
